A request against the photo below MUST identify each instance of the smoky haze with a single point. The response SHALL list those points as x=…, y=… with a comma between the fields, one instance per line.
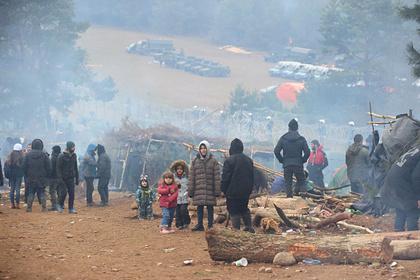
x=72, y=77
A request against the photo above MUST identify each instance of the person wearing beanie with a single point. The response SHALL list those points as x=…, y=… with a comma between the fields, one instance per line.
x=317, y=163
x=358, y=164
x=88, y=170
x=292, y=151
x=36, y=169
x=68, y=174
x=237, y=184
x=13, y=170
x=204, y=184
x=55, y=188
x=104, y=174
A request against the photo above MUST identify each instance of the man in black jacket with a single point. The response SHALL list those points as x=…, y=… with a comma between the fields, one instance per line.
x=36, y=168
x=68, y=174
x=401, y=190
x=237, y=184
x=293, y=145
x=55, y=188
x=104, y=174
x=1, y=175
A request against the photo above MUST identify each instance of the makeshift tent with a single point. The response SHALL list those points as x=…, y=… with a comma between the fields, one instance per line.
x=287, y=92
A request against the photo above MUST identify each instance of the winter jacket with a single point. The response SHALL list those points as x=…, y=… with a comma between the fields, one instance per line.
x=204, y=180
x=89, y=163
x=293, y=145
x=67, y=167
x=54, y=158
x=357, y=160
x=15, y=170
x=36, y=164
x=181, y=182
x=104, y=163
x=1, y=175
x=317, y=162
x=145, y=196
x=168, y=195
x=401, y=189
x=238, y=173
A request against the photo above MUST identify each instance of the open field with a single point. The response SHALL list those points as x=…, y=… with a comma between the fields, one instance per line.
x=138, y=77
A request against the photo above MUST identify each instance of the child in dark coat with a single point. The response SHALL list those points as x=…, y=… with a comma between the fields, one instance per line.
x=144, y=198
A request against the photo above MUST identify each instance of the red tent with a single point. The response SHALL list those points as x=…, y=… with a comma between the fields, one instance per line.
x=287, y=92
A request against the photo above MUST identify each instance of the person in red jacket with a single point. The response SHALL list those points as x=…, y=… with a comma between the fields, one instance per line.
x=317, y=163
x=168, y=192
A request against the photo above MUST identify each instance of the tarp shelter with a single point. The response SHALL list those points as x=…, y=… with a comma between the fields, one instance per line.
x=287, y=92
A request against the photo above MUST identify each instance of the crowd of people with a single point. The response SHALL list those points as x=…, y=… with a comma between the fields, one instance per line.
x=59, y=172
x=203, y=181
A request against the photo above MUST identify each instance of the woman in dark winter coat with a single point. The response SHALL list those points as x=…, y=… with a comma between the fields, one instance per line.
x=316, y=163
x=204, y=184
x=13, y=170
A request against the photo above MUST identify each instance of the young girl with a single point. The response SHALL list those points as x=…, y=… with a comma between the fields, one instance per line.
x=168, y=191
x=144, y=198
x=180, y=170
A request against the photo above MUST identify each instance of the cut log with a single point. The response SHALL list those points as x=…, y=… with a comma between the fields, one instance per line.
x=355, y=227
x=333, y=219
x=295, y=203
x=406, y=249
x=227, y=245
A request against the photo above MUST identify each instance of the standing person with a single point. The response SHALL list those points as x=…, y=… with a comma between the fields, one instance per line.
x=1, y=175
x=237, y=184
x=168, y=192
x=204, y=184
x=104, y=174
x=144, y=199
x=36, y=169
x=357, y=160
x=13, y=170
x=180, y=170
x=293, y=145
x=25, y=152
x=317, y=162
x=401, y=190
x=68, y=174
x=88, y=168
x=55, y=188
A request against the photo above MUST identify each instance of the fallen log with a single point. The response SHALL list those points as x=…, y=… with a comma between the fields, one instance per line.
x=333, y=219
x=406, y=249
x=228, y=245
x=295, y=203
x=355, y=227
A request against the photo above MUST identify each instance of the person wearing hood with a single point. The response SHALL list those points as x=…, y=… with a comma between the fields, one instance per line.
x=13, y=170
x=204, y=184
x=237, y=185
x=358, y=164
x=104, y=174
x=317, y=162
x=36, y=169
x=180, y=170
x=292, y=151
x=68, y=174
x=55, y=188
x=401, y=189
x=88, y=168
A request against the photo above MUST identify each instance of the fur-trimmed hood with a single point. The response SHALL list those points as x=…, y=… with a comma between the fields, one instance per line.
x=176, y=163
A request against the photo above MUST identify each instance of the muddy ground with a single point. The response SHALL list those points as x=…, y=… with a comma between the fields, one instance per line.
x=107, y=243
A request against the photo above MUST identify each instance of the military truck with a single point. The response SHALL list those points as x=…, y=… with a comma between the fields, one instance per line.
x=151, y=47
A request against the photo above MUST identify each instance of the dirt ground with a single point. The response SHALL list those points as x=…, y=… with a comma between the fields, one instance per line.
x=107, y=243
x=138, y=77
